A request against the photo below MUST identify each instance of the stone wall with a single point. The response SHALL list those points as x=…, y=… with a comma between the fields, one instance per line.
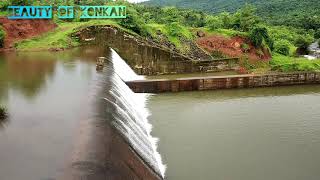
x=149, y=58
x=224, y=82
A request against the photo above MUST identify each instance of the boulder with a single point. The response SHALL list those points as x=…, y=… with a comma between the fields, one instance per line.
x=201, y=34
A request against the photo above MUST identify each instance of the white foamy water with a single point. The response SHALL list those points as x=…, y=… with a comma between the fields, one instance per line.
x=123, y=69
x=129, y=113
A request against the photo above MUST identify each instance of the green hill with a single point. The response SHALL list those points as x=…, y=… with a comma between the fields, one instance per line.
x=279, y=12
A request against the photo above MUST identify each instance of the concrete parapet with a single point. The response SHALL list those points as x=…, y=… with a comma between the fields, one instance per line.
x=224, y=82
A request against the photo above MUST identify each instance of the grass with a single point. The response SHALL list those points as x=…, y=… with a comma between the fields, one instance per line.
x=167, y=30
x=61, y=36
x=4, y=13
x=290, y=64
x=223, y=32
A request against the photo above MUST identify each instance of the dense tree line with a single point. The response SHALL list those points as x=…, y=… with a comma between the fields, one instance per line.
x=296, y=13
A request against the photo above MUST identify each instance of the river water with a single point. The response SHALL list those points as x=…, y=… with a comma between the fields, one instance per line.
x=249, y=134
x=46, y=95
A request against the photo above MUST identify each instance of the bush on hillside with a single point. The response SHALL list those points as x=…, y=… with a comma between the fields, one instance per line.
x=282, y=47
x=2, y=36
x=317, y=34
x=20, y=2
x=4, y=4
x=3, y=113
x=245, y=47
x=260, y=36
x=134, y=22
x=177, y=30
x=303, y=45
x=214, y=22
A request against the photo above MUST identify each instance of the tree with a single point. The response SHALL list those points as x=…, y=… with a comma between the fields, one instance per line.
x=134, y=22
x=226, y=19
x=311, y=22
x=171, y=14
x=214, y=22
x=259, y=36
x=194, y=19
x=245, y=18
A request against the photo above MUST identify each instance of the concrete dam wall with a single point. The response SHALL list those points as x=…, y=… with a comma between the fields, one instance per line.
x=115, y=141
x=148, y=58
x=224, y=82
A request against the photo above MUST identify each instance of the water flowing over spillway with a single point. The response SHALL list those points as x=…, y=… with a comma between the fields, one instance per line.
x=128, y=113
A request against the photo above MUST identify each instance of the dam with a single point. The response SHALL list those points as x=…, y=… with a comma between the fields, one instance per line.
x=73, y=122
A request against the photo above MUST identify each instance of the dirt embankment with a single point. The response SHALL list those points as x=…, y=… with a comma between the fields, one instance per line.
x=233, y=47
x=17, y=30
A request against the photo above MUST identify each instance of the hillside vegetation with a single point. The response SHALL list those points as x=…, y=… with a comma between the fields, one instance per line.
x=278, y=12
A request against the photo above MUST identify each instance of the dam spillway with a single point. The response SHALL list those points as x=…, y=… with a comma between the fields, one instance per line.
x=129, y=114
x=115, y=142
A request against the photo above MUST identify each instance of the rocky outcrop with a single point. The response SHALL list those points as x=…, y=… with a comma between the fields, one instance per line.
x=232, y=47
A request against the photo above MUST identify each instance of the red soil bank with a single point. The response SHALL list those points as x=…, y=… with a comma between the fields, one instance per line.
x=231, y=47
x=17, y=30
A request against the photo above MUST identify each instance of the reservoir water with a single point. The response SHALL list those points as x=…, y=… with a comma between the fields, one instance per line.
x=63, y=113
x=248, y=134
x=47, y=95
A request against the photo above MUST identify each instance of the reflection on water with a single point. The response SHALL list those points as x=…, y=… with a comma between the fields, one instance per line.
x=3, y=122
x=248, y=134
x=46, y=95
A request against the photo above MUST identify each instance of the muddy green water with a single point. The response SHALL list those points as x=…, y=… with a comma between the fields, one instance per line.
x=249, y=134
x=46, y=95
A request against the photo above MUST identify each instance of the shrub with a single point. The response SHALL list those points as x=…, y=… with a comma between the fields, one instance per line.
x=287, y=64
x=317, y=34
x=177, y=30
x=260, y=53
x=214, y=22
x=282, y=47
x=303, y=44
x=218, y=54
x=245, y=47
x=259, y=36
x=4, y=4
x=2, y=36
x=134, y=22
x=21, y=2
x=3, y=113
x=244, y=62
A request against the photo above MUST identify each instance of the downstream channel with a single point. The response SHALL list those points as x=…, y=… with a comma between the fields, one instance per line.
x=247, y=134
